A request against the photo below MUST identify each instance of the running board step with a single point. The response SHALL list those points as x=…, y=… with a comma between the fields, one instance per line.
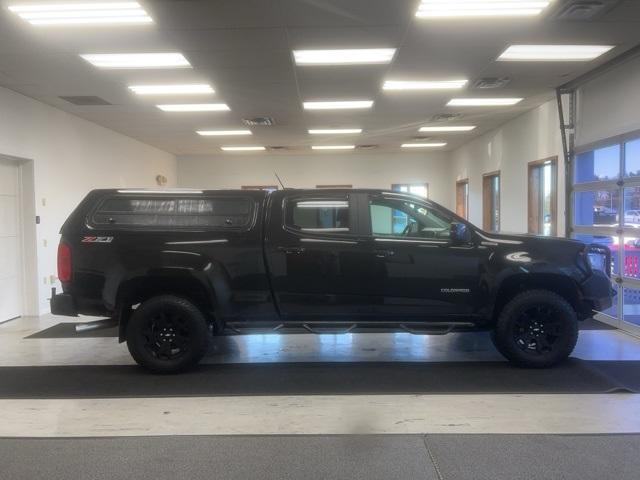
x=319, y=328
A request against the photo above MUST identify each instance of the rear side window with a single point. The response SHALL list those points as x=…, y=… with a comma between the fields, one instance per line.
x=223, y=212
x=319, y=215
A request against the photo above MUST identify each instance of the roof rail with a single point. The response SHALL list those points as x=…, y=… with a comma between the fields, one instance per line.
x=160, y=190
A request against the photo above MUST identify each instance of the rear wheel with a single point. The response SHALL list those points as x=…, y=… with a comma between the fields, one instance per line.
x=167, y=334
x=536, y=329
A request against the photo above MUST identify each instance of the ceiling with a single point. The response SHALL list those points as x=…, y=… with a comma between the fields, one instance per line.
x=244, y=49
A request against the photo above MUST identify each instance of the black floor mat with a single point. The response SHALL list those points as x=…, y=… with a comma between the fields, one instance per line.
x=593, y=324
x=326, y=378
x=68, y=330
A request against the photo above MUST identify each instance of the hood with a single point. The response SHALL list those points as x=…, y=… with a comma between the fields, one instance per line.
x=529, y=240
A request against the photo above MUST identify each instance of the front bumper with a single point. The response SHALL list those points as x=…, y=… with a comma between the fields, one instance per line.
x=63, y=304
x=597, y=292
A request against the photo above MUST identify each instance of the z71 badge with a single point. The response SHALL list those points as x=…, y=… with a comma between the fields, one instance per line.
x=97, y=239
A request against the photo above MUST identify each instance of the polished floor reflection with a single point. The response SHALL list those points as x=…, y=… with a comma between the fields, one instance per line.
x=455, y=347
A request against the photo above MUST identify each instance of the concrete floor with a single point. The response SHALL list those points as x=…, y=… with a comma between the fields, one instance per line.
x=251, y=417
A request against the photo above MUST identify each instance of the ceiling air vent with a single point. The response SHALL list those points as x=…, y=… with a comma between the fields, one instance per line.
x=366, y=147
x=487, y=83
x=259, y=121
x=583, y=10
x=446, y=117
x=277, y=148
x=86, y=100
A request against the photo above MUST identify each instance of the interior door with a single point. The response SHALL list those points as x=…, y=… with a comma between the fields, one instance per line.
x=420, y=273
x=10, y=255
x=318, y=260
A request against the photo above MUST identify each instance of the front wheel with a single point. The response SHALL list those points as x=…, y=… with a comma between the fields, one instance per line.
x=536, y=329
x=167, y=334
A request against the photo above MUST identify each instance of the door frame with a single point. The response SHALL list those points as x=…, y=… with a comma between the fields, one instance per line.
x=554, y=193
x=28, y=251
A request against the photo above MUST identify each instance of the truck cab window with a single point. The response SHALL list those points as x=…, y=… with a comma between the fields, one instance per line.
x=400, y=218
x=326, y=215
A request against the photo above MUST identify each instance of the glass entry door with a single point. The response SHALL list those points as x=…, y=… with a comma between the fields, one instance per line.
x=605, y=210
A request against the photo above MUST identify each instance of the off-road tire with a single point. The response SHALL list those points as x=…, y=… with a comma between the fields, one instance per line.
x=536, y=329
x=167, y=334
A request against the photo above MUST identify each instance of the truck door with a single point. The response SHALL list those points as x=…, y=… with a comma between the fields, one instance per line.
x=420, y=273
x=317, y=258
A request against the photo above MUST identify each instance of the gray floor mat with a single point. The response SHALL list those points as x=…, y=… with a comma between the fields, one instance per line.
x=226, y=458
x=536, y=457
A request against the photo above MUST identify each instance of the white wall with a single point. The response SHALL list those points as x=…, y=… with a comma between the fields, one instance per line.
x=609, y=105
x=535, y=135
x=70, y=157
x=360, y=169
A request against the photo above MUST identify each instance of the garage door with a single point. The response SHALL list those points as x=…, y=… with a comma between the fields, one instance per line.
x=606, y=210
x=10, y=292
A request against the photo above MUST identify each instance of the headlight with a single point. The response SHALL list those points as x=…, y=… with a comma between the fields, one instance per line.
x=599, y=258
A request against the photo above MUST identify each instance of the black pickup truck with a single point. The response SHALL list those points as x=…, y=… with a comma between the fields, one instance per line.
x=173, y=267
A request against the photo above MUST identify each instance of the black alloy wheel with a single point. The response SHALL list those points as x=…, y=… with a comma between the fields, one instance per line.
x=537, y=329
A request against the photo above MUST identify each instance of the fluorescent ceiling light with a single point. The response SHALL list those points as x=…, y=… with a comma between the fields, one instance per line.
x=458, y=128
x=82, y=13
x=424, y=145
x=571, y=53
x=137, y=60
x=90, y=21
x=483, y=102
x=338, y=105
x=333, y=147
x=423, y=84
x=242, y=149
x=334, y=131
x=58, y=7
x=195, y=107
x=354, y=56
x=480, y=8
x=223, y=133
x=171, y=89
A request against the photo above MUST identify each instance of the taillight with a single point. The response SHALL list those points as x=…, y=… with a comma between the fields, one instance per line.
x=64, y=262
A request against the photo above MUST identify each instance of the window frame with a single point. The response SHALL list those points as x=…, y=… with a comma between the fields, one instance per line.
x=531, y=166
x=353, y=214
x=395, y=186
x=487, y=211
x=464, y=183
x=404, y=197
x=92, y=224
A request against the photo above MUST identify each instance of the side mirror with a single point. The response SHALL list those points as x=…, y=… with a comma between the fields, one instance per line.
x=459, y=234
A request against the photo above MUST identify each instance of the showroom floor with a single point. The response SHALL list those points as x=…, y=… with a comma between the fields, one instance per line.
x=347, y=406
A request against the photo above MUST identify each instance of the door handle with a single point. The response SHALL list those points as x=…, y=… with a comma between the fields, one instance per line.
x=385, y=253
x=292, y=250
